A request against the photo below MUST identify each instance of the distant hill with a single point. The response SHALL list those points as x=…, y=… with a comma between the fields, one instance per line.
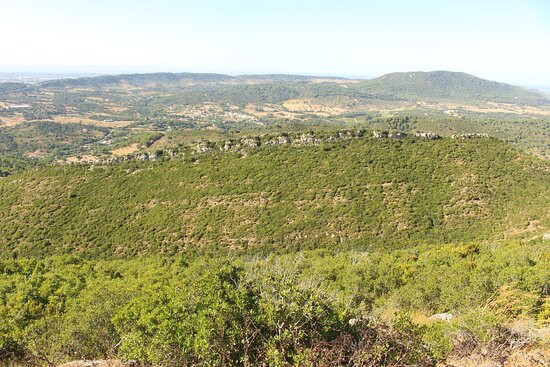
x=11, y=87
x=450, y=86
x=131, y=104
x=359, y=193
x=433, y=86
x=174, y=79
x=139, y=80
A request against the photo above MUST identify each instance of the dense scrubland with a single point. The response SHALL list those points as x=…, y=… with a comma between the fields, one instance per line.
x=226, y=250
x=306, y=255
x=354, y=194
x=318, y=307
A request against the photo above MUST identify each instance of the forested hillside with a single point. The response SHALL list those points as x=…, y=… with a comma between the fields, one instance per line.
x=427, y=86
x=358, y=193
x=450, y=86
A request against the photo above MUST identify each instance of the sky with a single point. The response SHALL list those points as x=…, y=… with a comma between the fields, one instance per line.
x=504, y=40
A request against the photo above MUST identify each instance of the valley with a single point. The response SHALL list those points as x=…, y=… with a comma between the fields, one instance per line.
x=131, y=107
x=274, y=220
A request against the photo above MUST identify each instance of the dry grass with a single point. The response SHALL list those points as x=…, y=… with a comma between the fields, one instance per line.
x=118, y=108
x=82, y=159
x=85, y=120
x=36, y=154
x=524, y=357
x=304, y=105
x=493, y=107
x=125, y=150
x=11, y=121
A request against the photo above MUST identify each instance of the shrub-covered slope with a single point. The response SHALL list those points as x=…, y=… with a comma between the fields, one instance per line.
x=314, y=308
x=357, y=193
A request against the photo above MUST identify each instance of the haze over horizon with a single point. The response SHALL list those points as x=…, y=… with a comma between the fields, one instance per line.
x=506, y=41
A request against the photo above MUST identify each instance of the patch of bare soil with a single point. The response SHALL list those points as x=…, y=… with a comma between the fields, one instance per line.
x=36, y=154
x=12, y=120
x=85, y=120
x=125, y=150
x=518, y=358
x=83, y=159
x=118, y=108
x=520, y=344
x=303, y=105
x=493, y=107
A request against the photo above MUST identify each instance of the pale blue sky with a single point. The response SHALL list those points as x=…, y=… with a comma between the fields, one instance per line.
x=505, y=40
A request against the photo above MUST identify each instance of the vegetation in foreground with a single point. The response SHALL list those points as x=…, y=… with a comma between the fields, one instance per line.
x=307, y=308
x=332, y=254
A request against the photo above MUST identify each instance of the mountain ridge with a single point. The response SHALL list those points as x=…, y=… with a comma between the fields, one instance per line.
x=356, y=193
x=442, y=85
x=438, y=85
x=76, y=112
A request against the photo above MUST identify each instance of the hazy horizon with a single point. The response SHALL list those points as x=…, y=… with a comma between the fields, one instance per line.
x=506, y=41
x=59, y=72
x=76, y=72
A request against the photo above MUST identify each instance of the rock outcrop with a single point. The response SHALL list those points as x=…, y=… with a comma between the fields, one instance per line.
x=239, y=145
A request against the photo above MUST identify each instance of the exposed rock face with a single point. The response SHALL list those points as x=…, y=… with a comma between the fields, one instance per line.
x=202, y=147
x=257, y=141
x=397, y=135
x=283, y=139
x=469, y=136
x=429, y=136
x=142, y=157
x=442, y=316
x=228, y=145
x=251, y=142
x=379, y=134
x=308, y=138
x=279, y=140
